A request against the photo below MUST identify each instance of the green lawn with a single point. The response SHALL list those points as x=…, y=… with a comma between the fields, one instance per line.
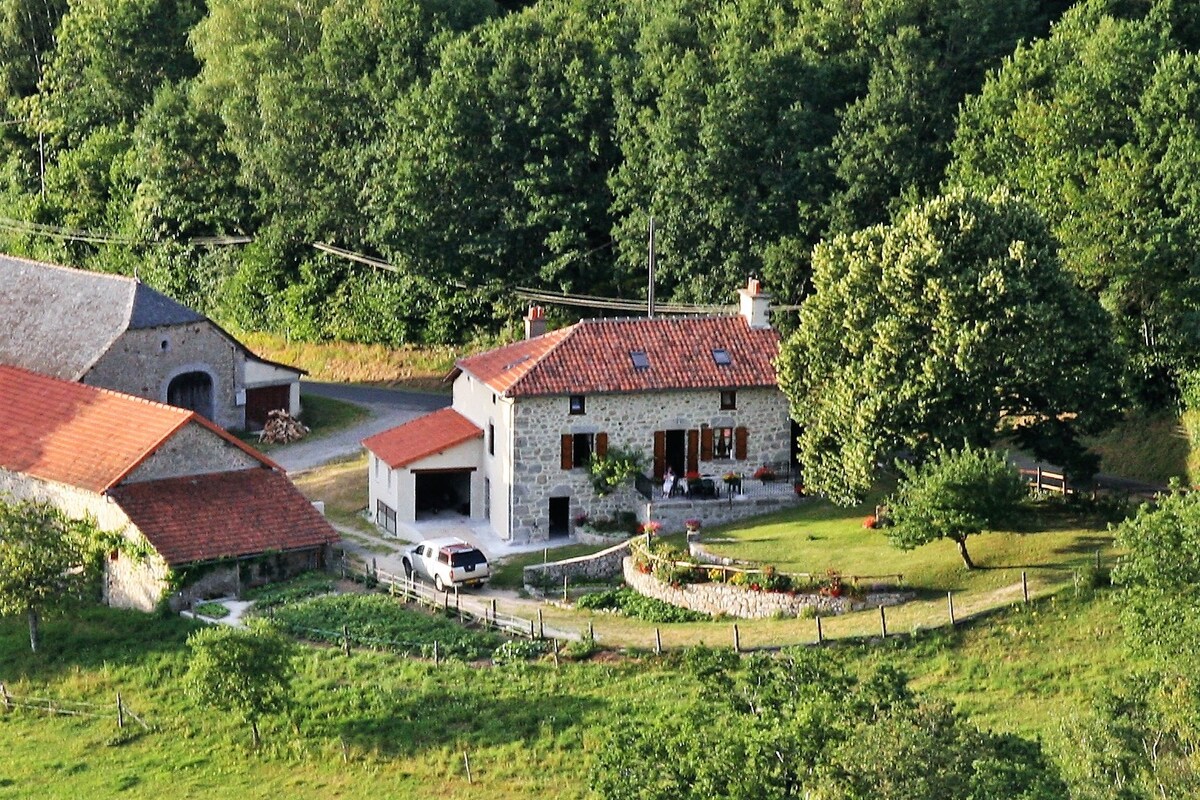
x=404, y=724
x=1150, y=447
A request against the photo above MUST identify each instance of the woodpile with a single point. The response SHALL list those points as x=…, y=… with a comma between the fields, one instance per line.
x=282, y=428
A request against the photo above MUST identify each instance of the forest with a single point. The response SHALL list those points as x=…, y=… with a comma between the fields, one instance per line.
x=475, y=147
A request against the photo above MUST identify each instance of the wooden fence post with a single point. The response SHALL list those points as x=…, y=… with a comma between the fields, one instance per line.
x=1097, y=559
x=120, y=712
x=737, y=643
x=346, y=639
x=374, y=569
x=1039, y=479
x=541, y=626
x=820, y=633
x=657, y=642
x=467, y=763
x=494, y=623
x=1025, y=587
x=5, y=697
x=555, y=651
x=564, y=588
x=950, y=602
x=591, y=632
x=883, y=622
x=436, y=654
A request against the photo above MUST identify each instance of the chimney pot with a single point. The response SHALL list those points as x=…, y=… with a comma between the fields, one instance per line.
x=755, y=304
x=535, y=322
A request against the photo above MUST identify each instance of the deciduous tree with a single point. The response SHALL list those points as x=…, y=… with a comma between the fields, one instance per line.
x=928, y=332
x=44, y=560
x=953, y=495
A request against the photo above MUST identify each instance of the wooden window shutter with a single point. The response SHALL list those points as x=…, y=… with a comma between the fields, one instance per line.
x=601, y=445
x=706, y=444
x=693, y=451
x=660, y=454
x=567, y=459
x=740, y=435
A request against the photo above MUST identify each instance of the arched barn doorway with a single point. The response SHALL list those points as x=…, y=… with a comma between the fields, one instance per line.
x=192, y=390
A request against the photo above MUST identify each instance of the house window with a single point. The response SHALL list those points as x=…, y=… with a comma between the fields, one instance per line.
x=491, y=438
x=582, y=445
x=723, y=443
x=385, y=517
x=728, y=400
x=721, y=357
x=641, y=361
x=577, y=405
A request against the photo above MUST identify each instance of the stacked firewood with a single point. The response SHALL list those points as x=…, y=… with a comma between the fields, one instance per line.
x=282, y=428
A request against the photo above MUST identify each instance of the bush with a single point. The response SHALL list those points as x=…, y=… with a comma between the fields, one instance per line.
x=517, y=651
x=631, y=604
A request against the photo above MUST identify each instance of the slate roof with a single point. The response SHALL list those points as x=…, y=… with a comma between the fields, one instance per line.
x=84, y=436
x=422, y=437
x=59, y=321
x=223, y=515
x=596, y=356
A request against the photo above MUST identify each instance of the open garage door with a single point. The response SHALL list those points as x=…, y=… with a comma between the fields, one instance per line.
x=443, y=493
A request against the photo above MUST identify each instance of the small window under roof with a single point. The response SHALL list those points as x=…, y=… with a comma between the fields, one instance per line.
x=640, y=359
x=721, y=357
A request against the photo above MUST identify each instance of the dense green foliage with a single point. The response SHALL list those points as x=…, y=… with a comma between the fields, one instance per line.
x=633, y=604
x=383, y=623
x=929, y=331
x=800, y=726
x=46, y=560
x=953, y=495
x=246, y=671
x=474, y=145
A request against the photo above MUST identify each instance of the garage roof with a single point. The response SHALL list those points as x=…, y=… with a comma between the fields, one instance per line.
x=422, y=437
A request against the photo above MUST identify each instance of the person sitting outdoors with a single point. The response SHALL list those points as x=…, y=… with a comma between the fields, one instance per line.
x=668, y=482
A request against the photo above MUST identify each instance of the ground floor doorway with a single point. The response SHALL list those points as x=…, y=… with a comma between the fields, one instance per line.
x=560, y=516
x=441, y=493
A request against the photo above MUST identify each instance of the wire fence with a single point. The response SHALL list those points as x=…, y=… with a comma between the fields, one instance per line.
x=117, y=710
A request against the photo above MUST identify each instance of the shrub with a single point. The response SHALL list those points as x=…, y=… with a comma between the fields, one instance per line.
x=302, y=587
x=517, y=651
x=871, y=522
x=581, y=649
x=211, y=610
x=631, y=604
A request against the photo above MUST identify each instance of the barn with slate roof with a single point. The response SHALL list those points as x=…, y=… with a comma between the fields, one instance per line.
x=115, y=332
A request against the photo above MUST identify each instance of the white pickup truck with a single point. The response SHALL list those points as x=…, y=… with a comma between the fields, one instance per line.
x=448, y=562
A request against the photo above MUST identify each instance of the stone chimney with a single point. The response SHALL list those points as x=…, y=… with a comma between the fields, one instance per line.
x=535, y=322
x=755, y=304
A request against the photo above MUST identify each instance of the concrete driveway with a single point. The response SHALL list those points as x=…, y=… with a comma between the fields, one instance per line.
x=386, y=408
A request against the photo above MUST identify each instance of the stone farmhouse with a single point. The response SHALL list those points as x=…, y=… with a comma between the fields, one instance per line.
x=116, y=332
x=692, y=395
x=203, y=514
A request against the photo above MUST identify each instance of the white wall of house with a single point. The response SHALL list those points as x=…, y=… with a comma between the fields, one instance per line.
x=397, y=488
x=479, y=403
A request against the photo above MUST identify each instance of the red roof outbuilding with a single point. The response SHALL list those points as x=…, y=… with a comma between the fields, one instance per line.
x=422, y=437
x=223, y=515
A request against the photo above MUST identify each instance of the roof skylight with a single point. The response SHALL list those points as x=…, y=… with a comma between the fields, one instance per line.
x=640, y=359
x=721, y=357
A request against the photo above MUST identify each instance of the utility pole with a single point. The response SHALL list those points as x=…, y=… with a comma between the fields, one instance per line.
x=650, y=288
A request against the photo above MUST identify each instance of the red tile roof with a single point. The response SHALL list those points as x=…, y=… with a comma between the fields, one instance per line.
x=81, y=435
x=593, y=356
x=223, y=515
x=423, y=436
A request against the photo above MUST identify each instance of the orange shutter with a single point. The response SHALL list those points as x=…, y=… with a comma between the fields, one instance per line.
x=693, y=451
x=567, y=460
x=740, y=435
x=706, y=444
x=601, y=445
x=660, y=454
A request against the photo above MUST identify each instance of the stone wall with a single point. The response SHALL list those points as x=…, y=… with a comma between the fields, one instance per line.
x=142, y=362
x=630, y=420
x=721, y=599
x=596, y=568
x=192, y=450
x=673, y=513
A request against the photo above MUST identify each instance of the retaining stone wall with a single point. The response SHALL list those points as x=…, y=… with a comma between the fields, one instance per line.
x=673, y=513
x=595, y=568
x=734, y=601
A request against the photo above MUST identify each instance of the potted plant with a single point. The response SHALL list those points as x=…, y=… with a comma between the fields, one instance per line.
x=652, y=527
x=765, y=474
x=734, y=481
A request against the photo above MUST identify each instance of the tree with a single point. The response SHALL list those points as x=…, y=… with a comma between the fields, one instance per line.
x=929, y=332
x=246, y=671
x=44, y=559
x=954, y=495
